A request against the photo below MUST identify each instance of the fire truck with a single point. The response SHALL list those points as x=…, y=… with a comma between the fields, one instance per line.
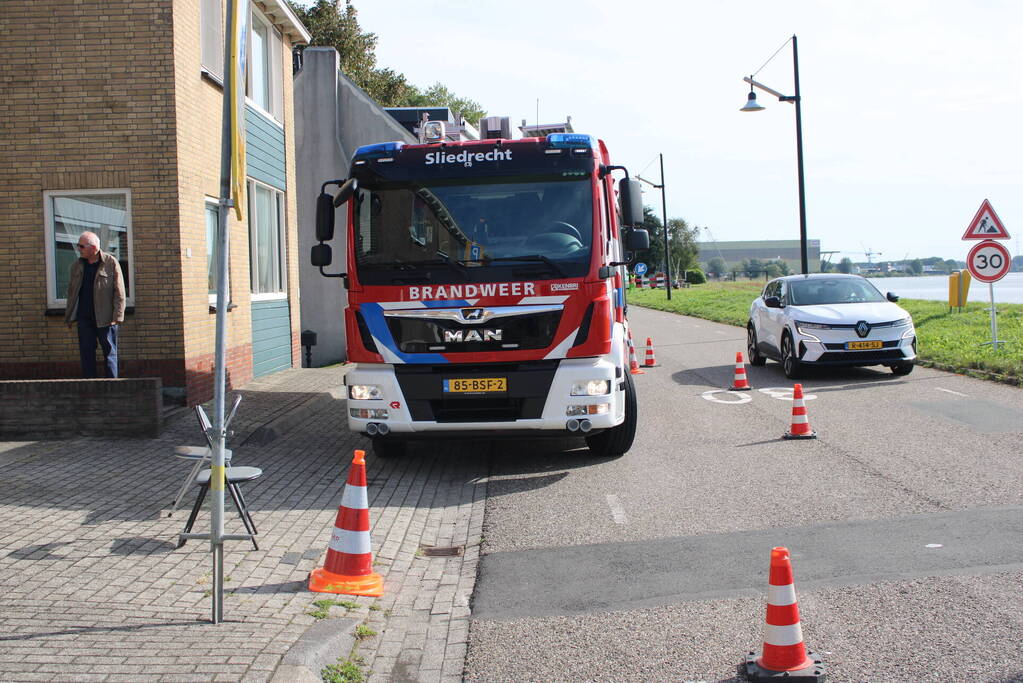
x=486, y=289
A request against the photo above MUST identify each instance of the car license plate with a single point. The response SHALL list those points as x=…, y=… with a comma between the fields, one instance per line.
x=858, y=345
x=476, y=385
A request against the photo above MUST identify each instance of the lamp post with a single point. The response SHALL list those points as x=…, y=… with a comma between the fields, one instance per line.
x=664, y=214
x=751, y=105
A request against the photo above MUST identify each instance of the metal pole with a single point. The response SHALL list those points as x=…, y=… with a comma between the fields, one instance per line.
x=994, y=320
x=217, y=464
x=664, y=213
x=799, y=160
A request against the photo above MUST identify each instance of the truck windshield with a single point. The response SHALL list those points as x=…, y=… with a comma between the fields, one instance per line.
x=479, y=232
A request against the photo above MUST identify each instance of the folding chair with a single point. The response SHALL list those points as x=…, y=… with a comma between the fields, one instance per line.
x=200, y=455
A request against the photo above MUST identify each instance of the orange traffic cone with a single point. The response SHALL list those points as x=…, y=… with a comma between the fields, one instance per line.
x=784, y=652
x=739, y=383
x=650, y=361
x=348, y=568
x=800, y=424
x=634, y=368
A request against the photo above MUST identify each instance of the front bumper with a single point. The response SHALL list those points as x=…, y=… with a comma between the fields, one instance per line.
x=827, y=347
x=416, y=404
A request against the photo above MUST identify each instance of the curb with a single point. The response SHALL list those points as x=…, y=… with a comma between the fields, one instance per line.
x=322, y=644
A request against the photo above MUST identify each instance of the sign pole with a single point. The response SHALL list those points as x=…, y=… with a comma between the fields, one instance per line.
x=994, y=319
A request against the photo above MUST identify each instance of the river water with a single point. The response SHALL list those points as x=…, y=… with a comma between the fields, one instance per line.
x=1008, y=290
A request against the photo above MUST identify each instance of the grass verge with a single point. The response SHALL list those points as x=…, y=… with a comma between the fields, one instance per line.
x=947, y=341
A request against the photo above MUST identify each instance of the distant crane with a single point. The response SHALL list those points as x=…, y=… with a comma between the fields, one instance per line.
x=867, y=252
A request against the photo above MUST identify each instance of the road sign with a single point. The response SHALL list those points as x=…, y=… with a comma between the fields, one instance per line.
x=989, y=261
x=986, y=225
x=639, y=269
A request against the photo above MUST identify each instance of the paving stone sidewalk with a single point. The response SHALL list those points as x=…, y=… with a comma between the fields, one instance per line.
x=93, y=588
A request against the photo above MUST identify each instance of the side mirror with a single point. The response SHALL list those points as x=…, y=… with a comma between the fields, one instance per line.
x=637, y=239
x=324, y=217
x=891, y=297
x=321, y=255
x=630, y=194
x=772, y=302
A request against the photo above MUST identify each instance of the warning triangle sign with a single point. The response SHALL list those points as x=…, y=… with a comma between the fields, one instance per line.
x=986, y=225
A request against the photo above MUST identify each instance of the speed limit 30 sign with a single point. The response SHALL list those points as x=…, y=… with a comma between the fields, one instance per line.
x=988, y=261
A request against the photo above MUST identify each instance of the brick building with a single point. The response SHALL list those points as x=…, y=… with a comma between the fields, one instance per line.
x=110, y=121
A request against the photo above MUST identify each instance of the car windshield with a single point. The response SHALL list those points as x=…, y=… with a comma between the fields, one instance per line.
x=812, y=292
x=466, y=232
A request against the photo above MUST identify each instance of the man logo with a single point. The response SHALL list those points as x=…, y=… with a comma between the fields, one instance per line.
x=472, y=314
x=863, y=328
x=472, y=335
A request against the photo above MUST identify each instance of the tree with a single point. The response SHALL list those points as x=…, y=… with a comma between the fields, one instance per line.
x=1017, y=263
x=335, y=25
x=916, y=266
x=681, y=240
x=827, y=266
x=845, y=265
x=716, y=266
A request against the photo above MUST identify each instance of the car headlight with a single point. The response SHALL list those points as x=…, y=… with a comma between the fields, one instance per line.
x=365, y=392
x=593, y=387
x=801, y=326
x=903, y=322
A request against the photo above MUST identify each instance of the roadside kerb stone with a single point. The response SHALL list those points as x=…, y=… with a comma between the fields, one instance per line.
x=90, y=576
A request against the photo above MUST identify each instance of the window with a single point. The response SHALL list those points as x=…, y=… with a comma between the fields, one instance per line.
x=266, y=78
x=212, y=246
x=211, y=26
x=67, y=215
x=266, y=238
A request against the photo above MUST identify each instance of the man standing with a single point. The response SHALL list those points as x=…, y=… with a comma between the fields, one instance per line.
x=95, y=297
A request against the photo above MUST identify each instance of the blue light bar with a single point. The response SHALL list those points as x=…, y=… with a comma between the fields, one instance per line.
x=569, y=140
x=380, y=149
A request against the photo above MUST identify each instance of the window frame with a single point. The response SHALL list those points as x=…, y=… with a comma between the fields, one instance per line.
x=215, y=205
x=211, y=35
x=279, y=203
x=274, y=111
x=56, y=299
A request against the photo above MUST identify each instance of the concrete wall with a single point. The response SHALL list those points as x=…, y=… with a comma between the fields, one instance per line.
x=333, y=118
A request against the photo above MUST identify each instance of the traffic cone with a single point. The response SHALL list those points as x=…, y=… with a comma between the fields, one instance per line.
x=800, y=424
x=650, y=361
x=634, y=368
x=784, y=653
x=348, y=568
x=739, y=383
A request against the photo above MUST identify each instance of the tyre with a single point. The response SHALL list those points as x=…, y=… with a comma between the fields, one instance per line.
x=902, y=368
x=752, y=354
x=615, y=442
x=389, y=447
x=789, y=363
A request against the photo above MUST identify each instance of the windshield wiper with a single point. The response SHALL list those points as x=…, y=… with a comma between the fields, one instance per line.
x=529, y=257
x=452, y=264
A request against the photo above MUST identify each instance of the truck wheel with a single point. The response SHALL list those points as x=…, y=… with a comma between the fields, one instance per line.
x=389, y=447
x=615, y=442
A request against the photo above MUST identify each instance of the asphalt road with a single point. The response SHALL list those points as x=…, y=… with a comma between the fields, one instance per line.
x=904, y=519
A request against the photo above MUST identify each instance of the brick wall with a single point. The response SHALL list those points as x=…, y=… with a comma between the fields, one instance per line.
x=61, y=409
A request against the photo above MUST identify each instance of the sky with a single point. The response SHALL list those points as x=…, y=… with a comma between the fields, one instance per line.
x=911, y=110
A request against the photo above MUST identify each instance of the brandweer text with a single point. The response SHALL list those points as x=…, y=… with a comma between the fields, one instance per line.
x=472, y=291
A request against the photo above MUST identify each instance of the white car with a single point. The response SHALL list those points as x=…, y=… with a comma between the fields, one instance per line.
x=825, y=319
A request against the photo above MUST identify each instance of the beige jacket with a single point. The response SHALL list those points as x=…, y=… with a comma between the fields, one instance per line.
x=107, y=291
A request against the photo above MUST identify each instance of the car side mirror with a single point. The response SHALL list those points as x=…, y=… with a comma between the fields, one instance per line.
x=321, y=255
x=891, y=297
x=630, y=194
x=637, y=239
x=324, y=217
x=772, y=302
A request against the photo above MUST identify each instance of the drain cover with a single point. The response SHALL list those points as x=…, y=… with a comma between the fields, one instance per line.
x=441, y=550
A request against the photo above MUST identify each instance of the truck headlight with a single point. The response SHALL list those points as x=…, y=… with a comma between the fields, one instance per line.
x=365, y=392
x=369, y=413
x=593, y=387
x=575, y=411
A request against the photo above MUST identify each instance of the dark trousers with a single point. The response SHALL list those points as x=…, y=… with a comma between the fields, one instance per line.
x=88, y=336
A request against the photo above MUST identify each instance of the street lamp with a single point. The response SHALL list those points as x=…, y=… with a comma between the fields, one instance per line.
x=664, y=214
x=751, y=105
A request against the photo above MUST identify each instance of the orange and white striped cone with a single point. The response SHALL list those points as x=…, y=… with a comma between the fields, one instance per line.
x=800, y=428
x=349, y=565
x=634, y=368
x=739, y=383
x=784, y=653
x=650, y=361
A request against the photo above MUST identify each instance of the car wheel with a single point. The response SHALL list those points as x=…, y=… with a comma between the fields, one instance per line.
x=902, y=368
x=789, y=363
x=615, y=442
x=752, y=354
x=389, y=447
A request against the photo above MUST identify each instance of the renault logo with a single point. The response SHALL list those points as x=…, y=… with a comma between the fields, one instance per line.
x=863, y=328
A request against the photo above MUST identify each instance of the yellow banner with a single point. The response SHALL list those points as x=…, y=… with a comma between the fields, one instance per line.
x=239, y=37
